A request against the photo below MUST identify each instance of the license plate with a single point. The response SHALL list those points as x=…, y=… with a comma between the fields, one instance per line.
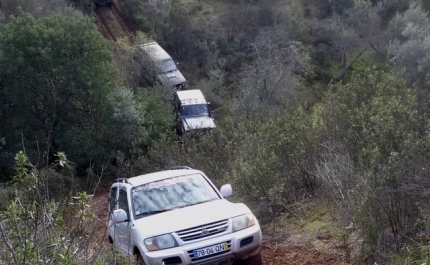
x=201, y=252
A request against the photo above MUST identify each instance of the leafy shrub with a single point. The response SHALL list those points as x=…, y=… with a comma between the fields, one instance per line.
x=6, y=193
x=139, y=15
x=38, y=229
x=274, y=161
x=376, y=119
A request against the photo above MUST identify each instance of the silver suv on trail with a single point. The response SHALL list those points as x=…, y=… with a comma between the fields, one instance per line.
x=163, y=68
x=178, y=216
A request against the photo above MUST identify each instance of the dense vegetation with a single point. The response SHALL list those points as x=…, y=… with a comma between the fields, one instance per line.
x=322, y=99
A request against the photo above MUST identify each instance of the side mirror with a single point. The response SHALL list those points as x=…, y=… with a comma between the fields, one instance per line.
x=226, y=190
x=210, y=109
x=119, y=216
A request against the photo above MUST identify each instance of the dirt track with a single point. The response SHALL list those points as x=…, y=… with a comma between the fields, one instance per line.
x=111, y=24
x=274, y=254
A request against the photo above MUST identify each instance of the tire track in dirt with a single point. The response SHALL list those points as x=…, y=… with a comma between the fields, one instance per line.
x=104, y=22
x=274, y=254
x=125, y=27
x=103, y=25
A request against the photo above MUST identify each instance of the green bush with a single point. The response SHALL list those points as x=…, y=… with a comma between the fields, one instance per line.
x=139, y=15
x=40, y=229
x=376, y=119
x=275, y=159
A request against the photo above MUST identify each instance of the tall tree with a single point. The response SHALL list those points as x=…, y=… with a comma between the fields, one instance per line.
x=354, y=32
x=409, y=47
x=276, y=74
x=54, y=79
x=37, y=8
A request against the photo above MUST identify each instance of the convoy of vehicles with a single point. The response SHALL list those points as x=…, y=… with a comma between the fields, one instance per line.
x=178, y=216
x=192, y=111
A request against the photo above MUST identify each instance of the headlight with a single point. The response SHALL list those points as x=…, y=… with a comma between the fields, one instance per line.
x=243, y=221
x=160, y=242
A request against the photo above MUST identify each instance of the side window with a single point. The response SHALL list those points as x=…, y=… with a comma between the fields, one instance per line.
x=112, y=199
x=123, y=201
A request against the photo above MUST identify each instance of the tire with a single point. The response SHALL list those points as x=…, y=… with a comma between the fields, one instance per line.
x=139, y=259
x=255, y=260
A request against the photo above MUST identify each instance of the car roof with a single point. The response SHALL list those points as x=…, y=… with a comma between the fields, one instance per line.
x=155, y=51
x=151, y=177
x=192, y=96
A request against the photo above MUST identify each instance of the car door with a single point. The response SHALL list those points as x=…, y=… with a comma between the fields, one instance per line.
x=122, y=232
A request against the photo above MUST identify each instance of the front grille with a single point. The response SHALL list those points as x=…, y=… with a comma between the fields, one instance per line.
x=191, y=253
x=203, y=230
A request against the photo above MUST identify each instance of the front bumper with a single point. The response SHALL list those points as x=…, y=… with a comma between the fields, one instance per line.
x=242, y=244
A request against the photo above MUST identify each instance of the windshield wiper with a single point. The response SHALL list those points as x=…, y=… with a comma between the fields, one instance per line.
x=153, y=212
x=191, y=204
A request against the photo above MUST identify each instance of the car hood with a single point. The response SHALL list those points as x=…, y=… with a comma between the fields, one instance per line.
x=188, y=217
x=200, y=122
x=172, y=78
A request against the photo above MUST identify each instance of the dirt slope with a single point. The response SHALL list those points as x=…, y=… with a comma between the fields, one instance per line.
x=274, y=254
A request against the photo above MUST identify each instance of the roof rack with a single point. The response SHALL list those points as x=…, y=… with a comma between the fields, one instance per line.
x=179, y=167
x=123, y=180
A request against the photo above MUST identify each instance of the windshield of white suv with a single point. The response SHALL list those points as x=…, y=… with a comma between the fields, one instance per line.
x=169, y=194
x=195, y=110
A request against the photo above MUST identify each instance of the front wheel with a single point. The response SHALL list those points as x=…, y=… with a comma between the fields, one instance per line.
x=255, y=260
x=139, y=259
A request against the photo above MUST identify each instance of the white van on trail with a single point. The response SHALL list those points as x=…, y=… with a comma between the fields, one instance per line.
x=164, y=69
x=193, y=112
x=179, y=217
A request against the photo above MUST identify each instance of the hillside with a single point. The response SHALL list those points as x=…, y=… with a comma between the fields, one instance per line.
x=304, y=247
x=322, y=113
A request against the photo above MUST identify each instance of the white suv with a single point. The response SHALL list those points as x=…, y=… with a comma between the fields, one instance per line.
x=193, y=112
x=178, y=217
